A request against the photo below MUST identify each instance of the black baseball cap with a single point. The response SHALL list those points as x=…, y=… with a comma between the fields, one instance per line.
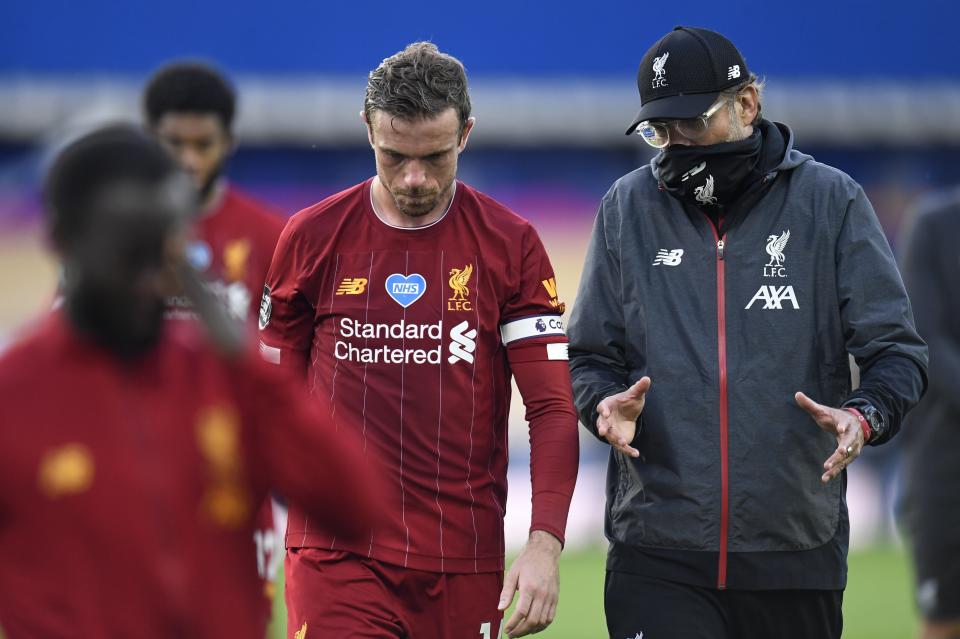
x=683, y=73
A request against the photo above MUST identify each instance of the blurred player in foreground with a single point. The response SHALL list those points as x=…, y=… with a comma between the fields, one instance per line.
x=133, y=454
x=930, y=505
x=725, y=284
x=408, y=301
x=189, y=107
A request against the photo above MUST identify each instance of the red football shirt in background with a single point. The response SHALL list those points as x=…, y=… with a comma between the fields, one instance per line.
x=128, y=489
x=410, y=335
x=231, y=246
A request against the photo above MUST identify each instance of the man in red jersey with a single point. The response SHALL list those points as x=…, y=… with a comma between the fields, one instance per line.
x=408, y=301
x=189, y=107
x=133, y=454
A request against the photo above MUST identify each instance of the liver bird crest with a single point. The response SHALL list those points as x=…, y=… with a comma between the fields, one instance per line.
x=775, y=246
x=658, y=63
x=459, y=278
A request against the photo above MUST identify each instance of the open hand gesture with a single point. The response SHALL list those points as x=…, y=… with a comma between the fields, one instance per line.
x=618, y=414
x=844, y=425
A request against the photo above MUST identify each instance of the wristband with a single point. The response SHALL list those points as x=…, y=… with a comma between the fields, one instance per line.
x=864, y=426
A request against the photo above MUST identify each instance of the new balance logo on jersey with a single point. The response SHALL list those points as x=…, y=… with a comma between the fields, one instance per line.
x=352, y=286
x=462, y=343
x=773, y=297
x=668, y=258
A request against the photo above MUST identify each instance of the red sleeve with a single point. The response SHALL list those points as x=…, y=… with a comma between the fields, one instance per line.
x=554, y=444
x=298, y=453
x=533, y=333
x=535, y=292
x=286, y=306
x=270, y=227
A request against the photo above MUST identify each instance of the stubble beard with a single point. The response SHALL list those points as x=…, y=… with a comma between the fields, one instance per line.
x=424, y=203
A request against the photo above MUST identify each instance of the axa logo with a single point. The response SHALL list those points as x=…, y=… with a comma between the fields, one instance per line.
x=459, y=283
x=659, y=72
x=352, y=286
x=463, y=342
x=668, y=258
x=775, y=247
x=773, y=297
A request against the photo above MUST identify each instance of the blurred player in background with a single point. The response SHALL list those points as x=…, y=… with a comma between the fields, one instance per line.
x=724, y=287
x=189, y=107
x=133, y=454
x=409, y=300
x=930, y=505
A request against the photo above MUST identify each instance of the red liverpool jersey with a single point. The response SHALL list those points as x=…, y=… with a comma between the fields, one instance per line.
x=232, y=246
x=128, y=489
x=406, y=333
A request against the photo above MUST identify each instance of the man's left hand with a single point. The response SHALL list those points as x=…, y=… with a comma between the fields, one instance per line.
x=536, y=576
x=844, y=425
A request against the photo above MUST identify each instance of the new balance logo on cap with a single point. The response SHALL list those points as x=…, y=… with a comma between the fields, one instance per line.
x=668, y=258
x=702, y=63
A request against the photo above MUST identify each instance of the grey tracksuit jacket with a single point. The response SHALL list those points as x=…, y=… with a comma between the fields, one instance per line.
x=729, y=325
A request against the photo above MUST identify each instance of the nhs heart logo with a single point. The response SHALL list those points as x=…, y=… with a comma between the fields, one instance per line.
x=406, y=289
x=199, y=255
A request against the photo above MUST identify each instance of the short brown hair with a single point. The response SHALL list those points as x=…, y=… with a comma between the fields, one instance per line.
x=418, y=82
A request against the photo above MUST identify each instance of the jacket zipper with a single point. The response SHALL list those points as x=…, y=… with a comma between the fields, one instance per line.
x=724, y=438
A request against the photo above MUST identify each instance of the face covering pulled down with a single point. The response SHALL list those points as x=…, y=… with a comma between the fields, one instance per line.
x=710, y=176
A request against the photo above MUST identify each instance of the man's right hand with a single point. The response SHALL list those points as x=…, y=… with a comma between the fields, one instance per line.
x=617, y=416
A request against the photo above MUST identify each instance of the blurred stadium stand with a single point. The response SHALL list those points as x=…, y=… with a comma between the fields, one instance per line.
x=870, y=87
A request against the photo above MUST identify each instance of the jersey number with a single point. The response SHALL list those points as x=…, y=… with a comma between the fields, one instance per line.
x=485, y=630
x=264, y=539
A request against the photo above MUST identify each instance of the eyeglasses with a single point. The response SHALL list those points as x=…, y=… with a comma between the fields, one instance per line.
x=656, y=133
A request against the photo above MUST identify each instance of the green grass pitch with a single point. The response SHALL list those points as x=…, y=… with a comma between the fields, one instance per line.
x=877, y=603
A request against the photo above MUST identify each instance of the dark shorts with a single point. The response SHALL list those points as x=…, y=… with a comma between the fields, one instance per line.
x=934, y=540
x=638, y=606
x=339, y=594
